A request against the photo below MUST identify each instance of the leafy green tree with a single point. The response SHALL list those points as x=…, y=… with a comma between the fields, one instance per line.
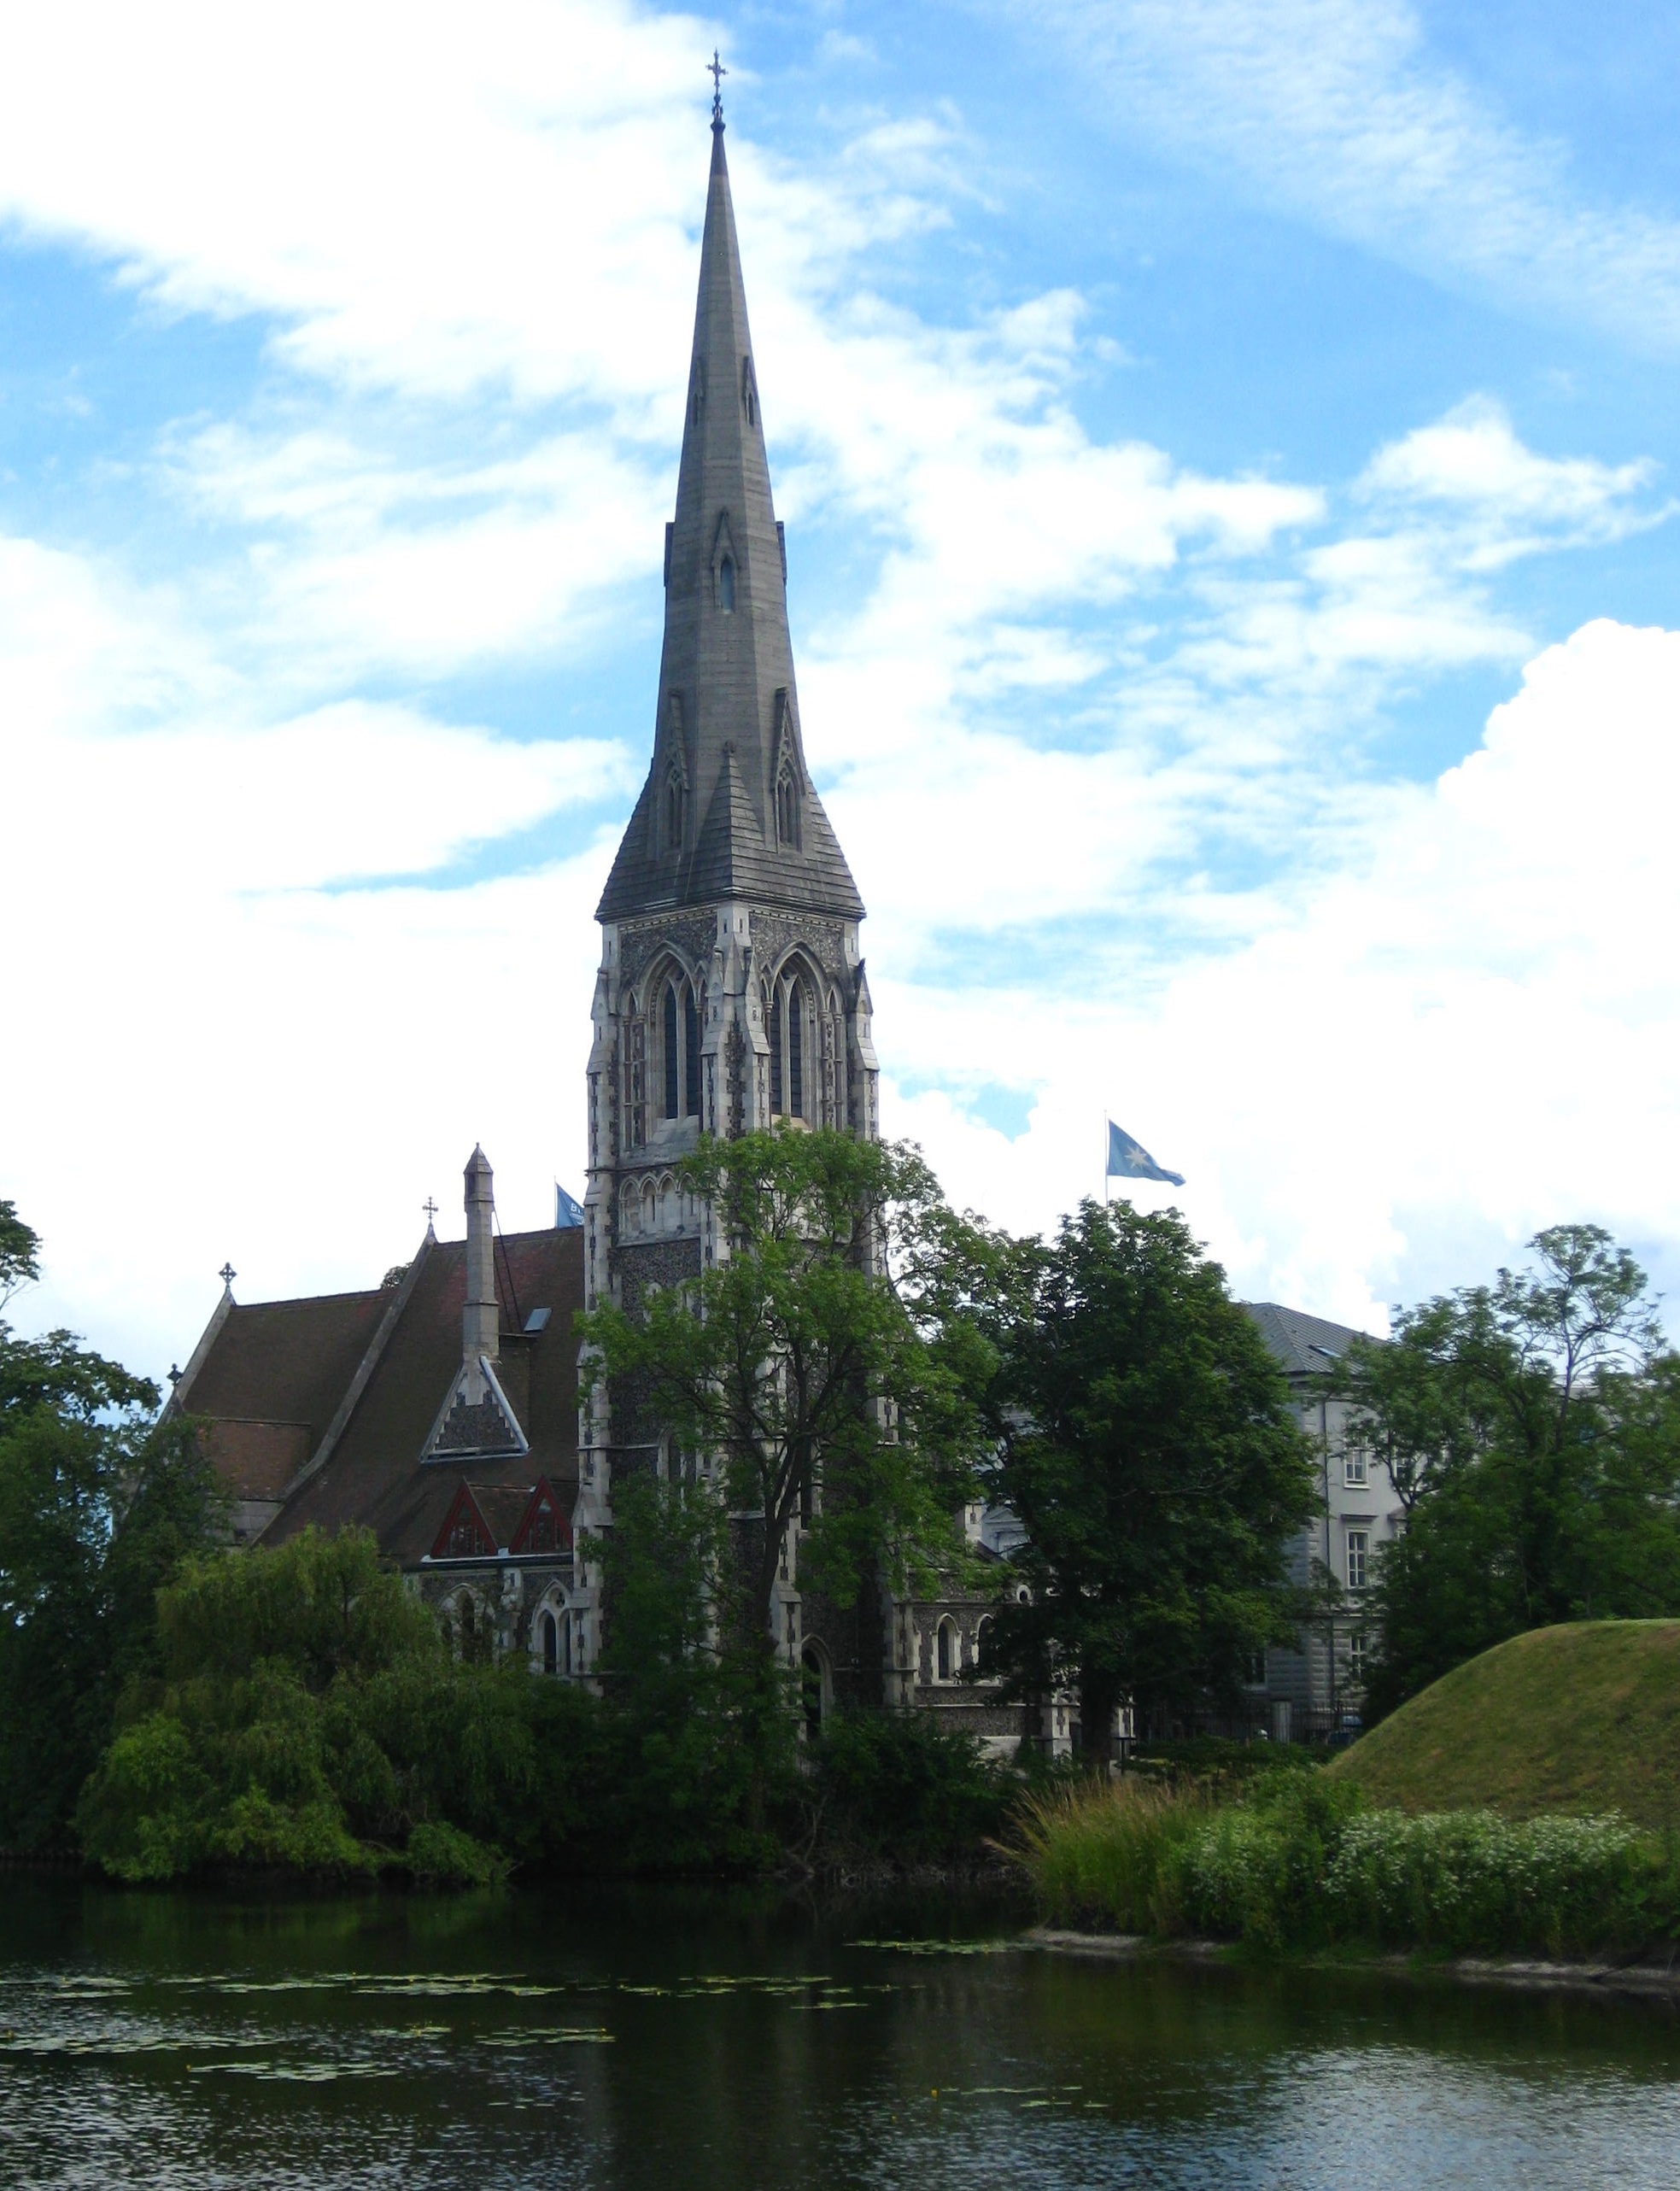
x=828, y=1366
x=98, y=1505
x=1149, y=1446
x=1533, y=1431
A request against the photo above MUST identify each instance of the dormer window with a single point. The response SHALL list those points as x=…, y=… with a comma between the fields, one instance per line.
x=786, y=809
x=726, y=585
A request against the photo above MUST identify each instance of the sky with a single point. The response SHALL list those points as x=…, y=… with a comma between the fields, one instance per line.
x=1230, y=453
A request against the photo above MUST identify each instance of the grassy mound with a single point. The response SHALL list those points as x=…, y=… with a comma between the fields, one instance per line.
x=1578, y=1719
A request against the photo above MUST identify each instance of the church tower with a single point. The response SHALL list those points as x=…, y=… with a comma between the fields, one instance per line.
x=731, y=992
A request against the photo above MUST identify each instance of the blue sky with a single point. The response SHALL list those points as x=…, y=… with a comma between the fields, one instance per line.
x=1228, y=457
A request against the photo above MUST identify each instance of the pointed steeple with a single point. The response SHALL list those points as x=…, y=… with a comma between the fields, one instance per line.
x=728, y=809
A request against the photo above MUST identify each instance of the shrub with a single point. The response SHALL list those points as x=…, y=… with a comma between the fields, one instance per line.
x=898, y=1784
x=1298, y=1864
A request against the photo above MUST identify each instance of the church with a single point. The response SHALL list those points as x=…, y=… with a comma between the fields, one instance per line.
x=441, y=1410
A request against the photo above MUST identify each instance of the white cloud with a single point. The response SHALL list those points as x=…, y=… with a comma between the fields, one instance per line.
x=1336, y=112
x=1465, y=1033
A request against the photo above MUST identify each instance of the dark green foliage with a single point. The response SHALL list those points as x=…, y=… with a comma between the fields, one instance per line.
x=99, y=1506
x=1150, y=1447
x=1533, y=1428
x=896, y=1785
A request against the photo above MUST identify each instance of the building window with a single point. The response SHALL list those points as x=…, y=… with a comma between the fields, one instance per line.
x=983, y=1636
x=1359, y=1547
x=786, y=809
x=812, y=1689
x=776, y=1053
x=796, y=1082
x=726, y=589
x=551, y=1644
x=673, y=1056
x=1255, y=1675
x=691, y=1054
x=946, y=1651
x=674, y=810
x=1355, y=1468
x=1356, y=1656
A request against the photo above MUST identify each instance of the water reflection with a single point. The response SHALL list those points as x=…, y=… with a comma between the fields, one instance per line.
x=614, y=2039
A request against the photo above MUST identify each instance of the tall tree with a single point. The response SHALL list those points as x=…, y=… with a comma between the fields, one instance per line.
x=1150, y=1448
x=829, y=1367
x=97, y=1507
x=1532, y=1427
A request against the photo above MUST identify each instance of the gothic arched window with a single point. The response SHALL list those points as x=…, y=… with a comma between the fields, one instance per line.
x=691, y=1054
x=726, y=588
x=551, y=1644
x=775, y=1033
x=796, y=1078
x=947, y=1651
x=787, y=808
x=673, y=1056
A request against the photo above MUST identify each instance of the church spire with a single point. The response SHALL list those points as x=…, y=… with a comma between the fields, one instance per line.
x=728, y=810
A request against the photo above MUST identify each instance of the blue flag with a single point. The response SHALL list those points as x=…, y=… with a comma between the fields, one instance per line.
x=1128, y=1159
x=567, y=1213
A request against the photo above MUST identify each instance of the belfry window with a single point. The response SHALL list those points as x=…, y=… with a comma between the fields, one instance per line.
x=675, y=1026
x=673, y=1056
x=796, y=1078
x=726, y=585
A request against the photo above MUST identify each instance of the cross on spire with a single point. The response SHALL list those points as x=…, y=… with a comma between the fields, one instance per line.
x=430, y=1209
x=228, y=1274
x=717, y=71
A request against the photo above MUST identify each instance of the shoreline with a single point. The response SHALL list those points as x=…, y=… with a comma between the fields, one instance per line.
x=1649, y=1979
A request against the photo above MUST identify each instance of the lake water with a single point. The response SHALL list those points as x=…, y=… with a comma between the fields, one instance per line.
x=597, y=2037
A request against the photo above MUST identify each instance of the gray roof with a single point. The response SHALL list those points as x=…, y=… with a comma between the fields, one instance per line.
x=726, y=715
x=1292, y=1334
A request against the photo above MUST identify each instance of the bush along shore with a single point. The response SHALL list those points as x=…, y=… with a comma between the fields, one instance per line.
x=1299, y=1863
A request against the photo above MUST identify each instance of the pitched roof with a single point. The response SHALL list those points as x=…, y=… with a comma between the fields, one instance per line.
x=1292, y=1334
x=372, y=1472
x=284, y=1362
x=727, y=702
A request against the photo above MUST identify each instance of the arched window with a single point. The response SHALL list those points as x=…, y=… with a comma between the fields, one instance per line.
x=673, y=1058
x=726, y=590
x=813, y=1689
x=786, y=809
x=796, y=1078
x=776, y=1053
x=675, y=801
x=983, y=1636
x=691, y=1054
x=945, y=1651
x=565, y=1642
x=551, y=1644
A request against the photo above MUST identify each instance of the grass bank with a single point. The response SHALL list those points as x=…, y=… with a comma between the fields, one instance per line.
x=1575, y=1720
x=1304, y=1861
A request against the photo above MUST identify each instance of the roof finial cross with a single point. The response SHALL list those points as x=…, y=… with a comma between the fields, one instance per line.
x=430, y=1209
x=228, y=1274
x=717, y=71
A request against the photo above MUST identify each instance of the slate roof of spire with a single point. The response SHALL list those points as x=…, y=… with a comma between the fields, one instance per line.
x=728, y=707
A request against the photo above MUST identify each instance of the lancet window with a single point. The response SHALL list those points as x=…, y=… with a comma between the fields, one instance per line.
x=800, y=1031
x=675, y=1026
x=787, y=807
